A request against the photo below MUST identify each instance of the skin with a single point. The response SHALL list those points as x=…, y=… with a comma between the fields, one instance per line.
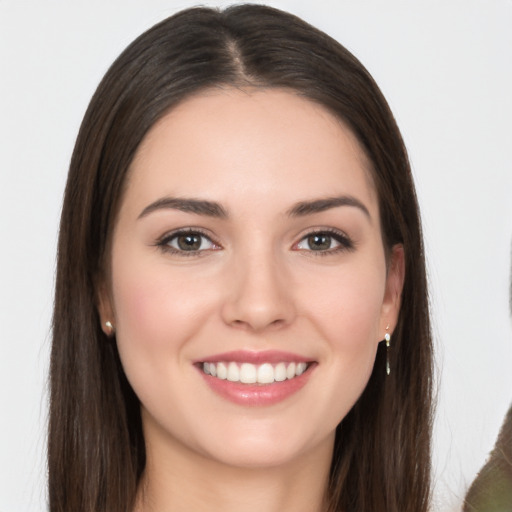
x=256, y=283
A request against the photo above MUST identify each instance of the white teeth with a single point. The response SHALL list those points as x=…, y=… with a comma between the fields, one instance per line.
x=248, y=373
x=265, y=374
x=290, y=371
x=280, y=372
x=233, y=372
x=301, y=368
x=222, y=371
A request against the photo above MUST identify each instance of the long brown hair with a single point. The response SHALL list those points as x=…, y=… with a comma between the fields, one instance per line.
x=96, y=452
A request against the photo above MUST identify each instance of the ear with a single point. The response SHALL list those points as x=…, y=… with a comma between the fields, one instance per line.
x=393, y=292
x=105, y=309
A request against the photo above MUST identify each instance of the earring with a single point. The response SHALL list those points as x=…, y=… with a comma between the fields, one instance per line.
x=387, y=338
x=110, y=328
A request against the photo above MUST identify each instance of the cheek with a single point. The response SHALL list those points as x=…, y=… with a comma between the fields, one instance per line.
x=156, y=312
x=344, y=310
x=347, y=309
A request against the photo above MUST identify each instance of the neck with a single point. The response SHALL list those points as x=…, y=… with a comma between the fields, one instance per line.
x=177, y=479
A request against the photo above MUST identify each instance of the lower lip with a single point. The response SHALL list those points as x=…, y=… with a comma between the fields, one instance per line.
x=254, y=394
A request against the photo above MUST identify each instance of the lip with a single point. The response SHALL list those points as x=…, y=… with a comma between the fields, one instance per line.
x=255, y=357
x=256, y=395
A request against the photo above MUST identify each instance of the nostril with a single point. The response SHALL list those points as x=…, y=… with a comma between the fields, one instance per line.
x=255, y=325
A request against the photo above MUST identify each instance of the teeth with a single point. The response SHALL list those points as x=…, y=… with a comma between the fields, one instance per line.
x=301, y=368
x=290, y=371
x=280, y=372
x=248, y=373
x=233, y=372
x=222, y=371
x=265, y=374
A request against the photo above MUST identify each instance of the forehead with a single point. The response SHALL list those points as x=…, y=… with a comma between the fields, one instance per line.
x=223, y=141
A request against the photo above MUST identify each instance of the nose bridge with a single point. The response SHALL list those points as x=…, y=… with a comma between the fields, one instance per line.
x=259, y=295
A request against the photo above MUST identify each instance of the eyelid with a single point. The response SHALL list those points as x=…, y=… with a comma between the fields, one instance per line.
x=163, y=241
x=345, y=241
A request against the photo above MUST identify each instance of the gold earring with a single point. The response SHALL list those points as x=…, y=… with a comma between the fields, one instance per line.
x=387, y=337
x=110, y=328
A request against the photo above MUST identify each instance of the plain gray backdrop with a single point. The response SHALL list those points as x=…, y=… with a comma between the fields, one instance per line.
x=446, y=70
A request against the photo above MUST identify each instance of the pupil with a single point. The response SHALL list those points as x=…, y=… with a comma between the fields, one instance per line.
x=319, y=242
x=189, y=242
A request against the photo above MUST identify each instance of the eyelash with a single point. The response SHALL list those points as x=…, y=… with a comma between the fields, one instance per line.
x=163, y=243
x=345, y=243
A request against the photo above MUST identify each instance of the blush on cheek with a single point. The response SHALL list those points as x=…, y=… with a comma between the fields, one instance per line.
x=352, y=320
x=363, y=306
x=143, y=334
x=158, y=312
x=140, y=310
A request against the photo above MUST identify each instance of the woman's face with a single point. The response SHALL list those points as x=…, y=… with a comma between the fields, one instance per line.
x=248, y=246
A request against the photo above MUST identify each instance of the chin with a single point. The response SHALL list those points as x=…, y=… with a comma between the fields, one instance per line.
x=259, y=449
x=262, y=456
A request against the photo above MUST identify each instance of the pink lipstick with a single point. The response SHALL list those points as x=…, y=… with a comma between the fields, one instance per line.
x=256, y=378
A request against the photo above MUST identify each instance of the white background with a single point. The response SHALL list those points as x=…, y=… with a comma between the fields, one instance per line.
x=446, y=70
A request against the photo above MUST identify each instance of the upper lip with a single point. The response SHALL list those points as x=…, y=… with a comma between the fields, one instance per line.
x=255, y=357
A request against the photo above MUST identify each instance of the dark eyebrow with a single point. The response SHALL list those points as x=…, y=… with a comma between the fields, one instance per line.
x=321, y=205
x=197, y=206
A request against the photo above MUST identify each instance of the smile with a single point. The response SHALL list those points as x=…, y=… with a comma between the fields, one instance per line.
x=256, y=378
x=248, y=373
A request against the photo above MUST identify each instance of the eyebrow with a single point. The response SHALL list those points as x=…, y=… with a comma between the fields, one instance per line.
x=214, y=209
x=197, y=206
x=320, y=205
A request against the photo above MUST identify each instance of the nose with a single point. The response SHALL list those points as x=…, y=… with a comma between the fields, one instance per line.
x=260, y=294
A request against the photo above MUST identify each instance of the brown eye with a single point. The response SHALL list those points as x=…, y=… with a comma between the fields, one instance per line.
x=189, y=242
x=325, y=242
x=319, y=242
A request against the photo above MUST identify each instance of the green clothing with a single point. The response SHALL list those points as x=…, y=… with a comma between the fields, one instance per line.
x=492, y=489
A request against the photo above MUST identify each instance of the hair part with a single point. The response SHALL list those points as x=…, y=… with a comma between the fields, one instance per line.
x=96, y=451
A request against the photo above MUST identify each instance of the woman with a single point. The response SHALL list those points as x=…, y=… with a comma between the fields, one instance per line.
x=239, y=234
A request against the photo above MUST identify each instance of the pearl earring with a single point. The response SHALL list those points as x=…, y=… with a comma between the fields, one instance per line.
x=387, y=338
x=110, y=328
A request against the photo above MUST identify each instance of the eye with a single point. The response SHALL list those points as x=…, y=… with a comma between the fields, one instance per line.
x=187, y=242
x=325, y=242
